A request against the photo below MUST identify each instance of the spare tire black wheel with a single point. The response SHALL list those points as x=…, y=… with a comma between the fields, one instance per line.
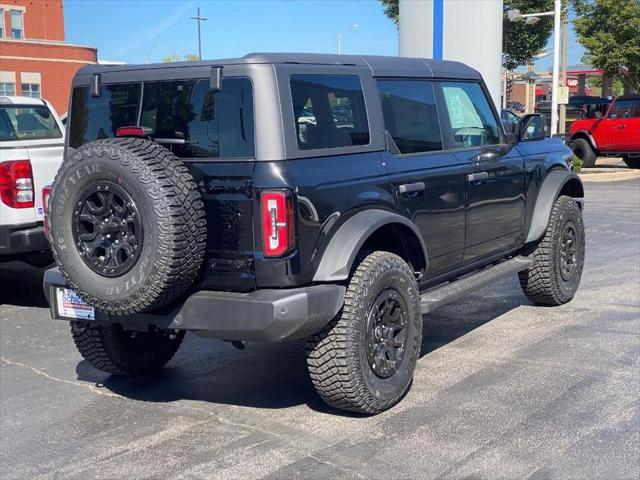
x=128, y=225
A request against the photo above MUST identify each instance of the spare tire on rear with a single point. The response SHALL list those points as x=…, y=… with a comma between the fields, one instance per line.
x=128, y=227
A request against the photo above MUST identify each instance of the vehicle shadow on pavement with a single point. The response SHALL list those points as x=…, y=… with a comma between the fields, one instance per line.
x=274, y=376
x=22, y=285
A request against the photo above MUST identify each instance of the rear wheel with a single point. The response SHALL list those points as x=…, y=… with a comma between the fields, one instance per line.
x=363, y=360
x=582, y=149
x=124, y=352
x=559, y=257
x=632, y=162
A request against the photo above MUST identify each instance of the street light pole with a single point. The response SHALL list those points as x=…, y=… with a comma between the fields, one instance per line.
x=340, y=35
x=151, y=50
x=556, y=66
x=199, y=19
x=531, y=19
x=562, y=121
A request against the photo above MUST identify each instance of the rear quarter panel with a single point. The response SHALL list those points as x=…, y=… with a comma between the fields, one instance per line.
x=329, y=191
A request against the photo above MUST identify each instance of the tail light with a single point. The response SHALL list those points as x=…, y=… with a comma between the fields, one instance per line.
x=46, y=194
x=16, y=184
x=277, y=222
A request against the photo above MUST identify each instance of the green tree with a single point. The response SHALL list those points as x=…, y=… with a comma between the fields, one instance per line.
x=521, y=42
x=609, y=30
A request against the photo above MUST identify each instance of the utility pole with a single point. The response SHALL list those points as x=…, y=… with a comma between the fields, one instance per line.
x=199, y=19
x=562, y=122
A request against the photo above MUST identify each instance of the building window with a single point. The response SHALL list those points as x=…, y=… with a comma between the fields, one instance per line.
x=1, y=23
x=17, y=30
x=7, y=89
x=31, y=90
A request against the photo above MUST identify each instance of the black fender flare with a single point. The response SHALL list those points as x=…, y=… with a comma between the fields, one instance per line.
x=345, y=244
x=550, y=190
x=587, y=135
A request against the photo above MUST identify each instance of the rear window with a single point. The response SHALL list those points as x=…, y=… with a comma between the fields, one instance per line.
x=329, y=111
x=185, y=115
x=27, y=123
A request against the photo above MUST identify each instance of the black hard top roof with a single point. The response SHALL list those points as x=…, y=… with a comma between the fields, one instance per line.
x=380, y=66
x=629, y=97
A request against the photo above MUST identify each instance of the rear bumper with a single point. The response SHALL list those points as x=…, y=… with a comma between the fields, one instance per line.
x=17, y=239
x=268, y=315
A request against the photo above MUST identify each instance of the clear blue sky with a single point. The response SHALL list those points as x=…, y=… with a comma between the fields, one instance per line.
x=126, y=30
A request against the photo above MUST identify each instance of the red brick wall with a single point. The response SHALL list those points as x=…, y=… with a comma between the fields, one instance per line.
x=55, y=76
x=56, y=62
x=43, y=19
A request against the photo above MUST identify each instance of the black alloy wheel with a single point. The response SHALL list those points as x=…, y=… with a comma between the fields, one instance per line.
x=568, y=251
x=107, y=229
x=387, y=333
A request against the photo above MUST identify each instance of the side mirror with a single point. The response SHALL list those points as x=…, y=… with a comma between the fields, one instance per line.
x=532, y=127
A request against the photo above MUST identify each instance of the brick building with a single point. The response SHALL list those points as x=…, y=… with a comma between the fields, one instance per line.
x=35, y=60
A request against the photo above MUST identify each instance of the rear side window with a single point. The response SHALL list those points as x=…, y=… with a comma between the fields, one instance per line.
x=27, y=123
x=471, y=118
x=185, y=115
x=410, y=114
x=625, y=109
x=329, y=111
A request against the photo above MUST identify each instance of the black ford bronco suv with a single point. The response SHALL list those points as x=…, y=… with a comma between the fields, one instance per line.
x=289, y=196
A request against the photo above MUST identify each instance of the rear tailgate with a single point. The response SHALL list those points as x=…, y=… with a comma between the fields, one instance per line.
x=226, y=192
x=46, y=158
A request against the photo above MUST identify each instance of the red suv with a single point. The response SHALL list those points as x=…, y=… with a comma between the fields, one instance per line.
x=617, y=133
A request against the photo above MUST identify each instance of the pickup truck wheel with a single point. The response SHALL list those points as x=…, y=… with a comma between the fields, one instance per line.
x=559, y=257
x=128, y=225
x=124, y=352
x=363, y=360
x=582, y=149
x=632, y=162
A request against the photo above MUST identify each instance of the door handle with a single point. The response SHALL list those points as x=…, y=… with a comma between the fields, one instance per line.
x=411, y=187
x=621, y=126
x=477, y=177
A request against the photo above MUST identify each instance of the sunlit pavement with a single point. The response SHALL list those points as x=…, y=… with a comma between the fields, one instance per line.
x=503, y=389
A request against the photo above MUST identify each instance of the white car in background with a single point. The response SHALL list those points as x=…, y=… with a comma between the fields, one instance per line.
x=31, y=151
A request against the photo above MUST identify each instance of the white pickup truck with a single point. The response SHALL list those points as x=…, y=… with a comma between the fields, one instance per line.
x=31, y=150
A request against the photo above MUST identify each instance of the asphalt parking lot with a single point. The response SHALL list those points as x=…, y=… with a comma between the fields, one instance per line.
x=503, y=389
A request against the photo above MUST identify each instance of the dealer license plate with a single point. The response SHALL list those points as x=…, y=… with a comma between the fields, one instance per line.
x=70, y=305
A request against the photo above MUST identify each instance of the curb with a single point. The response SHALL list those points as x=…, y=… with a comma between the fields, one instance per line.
x=609, y=176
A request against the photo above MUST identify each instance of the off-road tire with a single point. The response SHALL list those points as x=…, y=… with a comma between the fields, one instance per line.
x=121, y=352
x=582, y=149
x=544, y=283
x=337, y=355
x=632, y=162
x=172, y=219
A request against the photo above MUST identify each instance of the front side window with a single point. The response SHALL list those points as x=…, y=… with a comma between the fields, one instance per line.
x=7, y=89
x=471, y=118
x=31, y=90
x=27, y=122
x=329, y=111
x=410, y=114
x=17, y=30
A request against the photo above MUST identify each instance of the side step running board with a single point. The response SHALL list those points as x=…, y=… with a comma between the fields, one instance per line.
x=439, y=296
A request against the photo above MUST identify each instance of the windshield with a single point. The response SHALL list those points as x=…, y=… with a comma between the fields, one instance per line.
x=27, y=123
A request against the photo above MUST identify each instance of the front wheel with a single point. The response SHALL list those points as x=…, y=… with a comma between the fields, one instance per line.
x=363, y=360
x=582, y=149
x=559, y=257
x=124, y=352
